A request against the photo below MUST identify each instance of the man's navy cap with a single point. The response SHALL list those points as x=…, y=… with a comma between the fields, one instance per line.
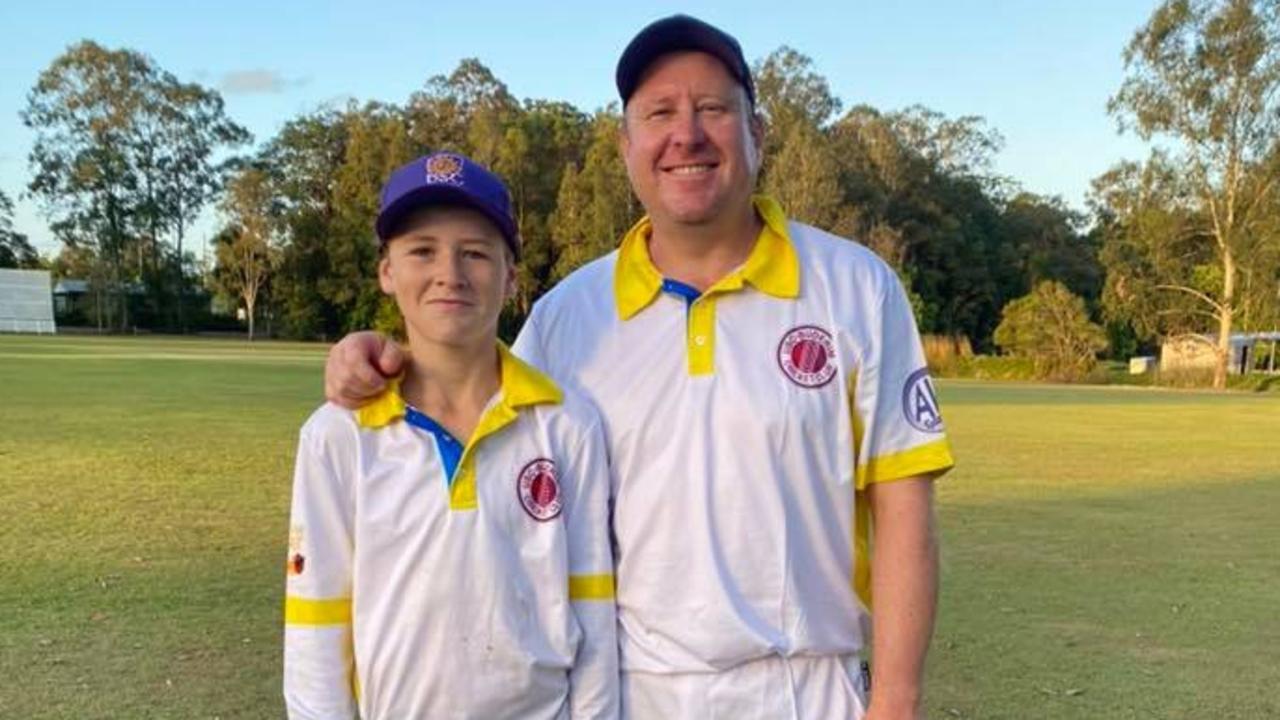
x=445, y=178
x=680, y=32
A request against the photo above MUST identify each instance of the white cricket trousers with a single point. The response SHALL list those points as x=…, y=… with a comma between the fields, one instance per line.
x=772, y=688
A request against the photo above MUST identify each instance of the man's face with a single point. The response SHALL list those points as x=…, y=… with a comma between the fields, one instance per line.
x=690, y=141
x=450, y=272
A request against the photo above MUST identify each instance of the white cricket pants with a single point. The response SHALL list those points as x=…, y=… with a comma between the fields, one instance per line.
x=772, y=688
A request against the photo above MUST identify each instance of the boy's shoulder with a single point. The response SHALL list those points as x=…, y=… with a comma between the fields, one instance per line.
x=329, y=423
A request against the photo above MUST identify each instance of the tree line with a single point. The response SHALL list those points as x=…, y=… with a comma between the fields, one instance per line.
x=1182, y=243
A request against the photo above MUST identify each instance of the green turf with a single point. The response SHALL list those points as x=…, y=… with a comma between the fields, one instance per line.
x=1108, y=552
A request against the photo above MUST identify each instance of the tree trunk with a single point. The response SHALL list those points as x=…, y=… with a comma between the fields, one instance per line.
x=182, y=279
x=249, y=301
x=1225, y=318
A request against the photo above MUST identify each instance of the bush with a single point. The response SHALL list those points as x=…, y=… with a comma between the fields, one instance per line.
x=1050, y=328
x=943, y=353
x=990, y=367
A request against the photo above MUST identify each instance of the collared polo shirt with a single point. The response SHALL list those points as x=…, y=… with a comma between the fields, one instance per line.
x=481, y=592
x=741, y=425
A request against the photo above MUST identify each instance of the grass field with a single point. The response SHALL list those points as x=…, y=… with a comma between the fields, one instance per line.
x=1108, y=552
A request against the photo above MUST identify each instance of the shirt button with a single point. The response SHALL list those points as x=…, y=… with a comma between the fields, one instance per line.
x=700, y=340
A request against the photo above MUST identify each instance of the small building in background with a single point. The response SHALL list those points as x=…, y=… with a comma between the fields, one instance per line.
x=1142, y=365
x=26, y=301
x=70, y=296
x=1248, y=351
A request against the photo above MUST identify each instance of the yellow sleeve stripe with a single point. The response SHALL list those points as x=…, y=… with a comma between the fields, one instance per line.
x=591, y=587
x=927, y=458
x=303, y=611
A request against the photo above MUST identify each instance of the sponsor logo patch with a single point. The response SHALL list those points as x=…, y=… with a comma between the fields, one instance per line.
x=444, y=168
x=920, y=402
x=807, y=355
x=539, y=491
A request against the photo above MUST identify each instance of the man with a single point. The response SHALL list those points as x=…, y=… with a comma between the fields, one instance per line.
x=766, y=405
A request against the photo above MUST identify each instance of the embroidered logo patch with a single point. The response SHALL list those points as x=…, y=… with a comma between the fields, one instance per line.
x=920, y=403
x=807, y=355
x=539, y=490
x=296, y=562
x=444, y=168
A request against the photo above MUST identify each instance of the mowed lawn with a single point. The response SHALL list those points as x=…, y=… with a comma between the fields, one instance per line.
x=1108, y=553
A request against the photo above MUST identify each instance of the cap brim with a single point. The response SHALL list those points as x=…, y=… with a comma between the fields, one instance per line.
x=394, y=214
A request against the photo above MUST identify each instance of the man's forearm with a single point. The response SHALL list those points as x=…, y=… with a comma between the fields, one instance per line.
x=904, y=585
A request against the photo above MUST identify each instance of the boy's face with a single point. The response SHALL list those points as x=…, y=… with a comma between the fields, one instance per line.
x=450, y=272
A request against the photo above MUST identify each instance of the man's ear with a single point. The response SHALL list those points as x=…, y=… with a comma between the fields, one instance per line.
x=512, y=282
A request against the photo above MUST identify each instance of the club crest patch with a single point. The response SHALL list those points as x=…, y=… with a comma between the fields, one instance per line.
x=920, y=402
x=807, y=355
x=444, y=168
x=539, y=491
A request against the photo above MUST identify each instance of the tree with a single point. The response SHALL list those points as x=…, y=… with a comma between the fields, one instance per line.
x=15, y=250
x=941, y=229
x=376, y=143
x=804, y=176
x=800, y=168
x=963, y=146
x=1204, y=75
x=303, y=160
x=246, y=249
x=82, y=109
x=1051, y=244
x=789, y=91
x=467, y=111
x=595, y=205
x=121, y=158
x=183, y=176
x=1051, y=328
x=543, y=140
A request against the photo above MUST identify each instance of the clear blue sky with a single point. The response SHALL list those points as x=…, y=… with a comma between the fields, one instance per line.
x=1039, y=71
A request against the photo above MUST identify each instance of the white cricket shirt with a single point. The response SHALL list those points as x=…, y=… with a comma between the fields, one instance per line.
x=485, y=593
x=740, y=426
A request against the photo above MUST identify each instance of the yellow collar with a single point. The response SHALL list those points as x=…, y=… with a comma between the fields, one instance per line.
x=772, y=267
x=521, y=385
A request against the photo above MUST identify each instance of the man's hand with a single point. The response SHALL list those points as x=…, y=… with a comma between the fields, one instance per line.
x=359, y=366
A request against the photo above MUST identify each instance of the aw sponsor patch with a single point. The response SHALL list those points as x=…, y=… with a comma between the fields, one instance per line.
x=807, y=356
x=539, y=490
x=920, y=402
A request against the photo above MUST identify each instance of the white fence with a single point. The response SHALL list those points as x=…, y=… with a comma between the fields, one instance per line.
x=26, y=301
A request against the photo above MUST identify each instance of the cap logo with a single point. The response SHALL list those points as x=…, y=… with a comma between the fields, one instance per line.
x=807, y=356
x=920, y=402
x=539, y=491
x=444, y=168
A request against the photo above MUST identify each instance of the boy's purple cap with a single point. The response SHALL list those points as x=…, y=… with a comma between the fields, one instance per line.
x=680, y=32
x=445, y=178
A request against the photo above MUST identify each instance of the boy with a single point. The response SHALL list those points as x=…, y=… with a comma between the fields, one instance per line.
x=449, y=550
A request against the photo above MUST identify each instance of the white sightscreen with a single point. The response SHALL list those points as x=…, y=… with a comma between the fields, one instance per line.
x=26, y=301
